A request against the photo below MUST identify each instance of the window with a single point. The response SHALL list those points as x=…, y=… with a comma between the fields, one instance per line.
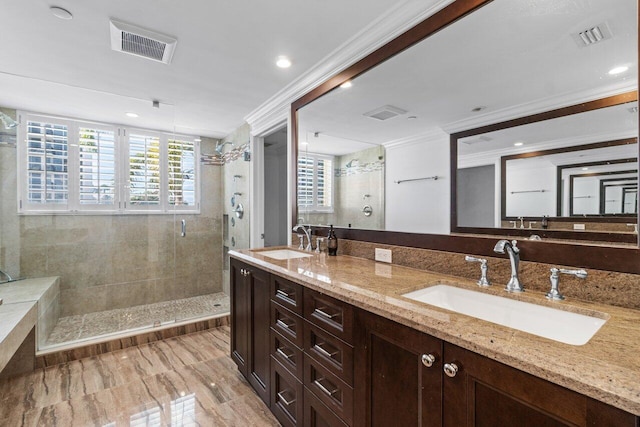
x=47, y=163
x=315, y=182
x=97, y=168
x=73, y=166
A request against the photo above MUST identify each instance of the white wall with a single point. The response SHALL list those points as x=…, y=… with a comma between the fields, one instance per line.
x=419, y=206
x=525, y=176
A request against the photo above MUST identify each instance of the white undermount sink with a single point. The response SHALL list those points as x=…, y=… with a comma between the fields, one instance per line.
x=284, y=254
x=559, y=325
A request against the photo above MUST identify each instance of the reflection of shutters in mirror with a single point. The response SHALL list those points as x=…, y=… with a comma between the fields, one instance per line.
x=144, y=170
x=48, y=156
x=181, y=173
x=96, y=150
x=305, y=182
x=315, y=182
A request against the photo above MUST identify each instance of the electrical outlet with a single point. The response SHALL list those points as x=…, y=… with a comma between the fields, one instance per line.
x=578, y=226
x=383, y=255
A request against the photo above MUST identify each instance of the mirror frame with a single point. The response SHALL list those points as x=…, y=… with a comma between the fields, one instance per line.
x=602, y=216
x=623, y=259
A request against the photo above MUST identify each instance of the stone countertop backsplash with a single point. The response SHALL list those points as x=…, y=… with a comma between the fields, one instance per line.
x=607, y=368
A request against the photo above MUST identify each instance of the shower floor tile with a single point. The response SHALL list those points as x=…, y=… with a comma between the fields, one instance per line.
x=86, y=326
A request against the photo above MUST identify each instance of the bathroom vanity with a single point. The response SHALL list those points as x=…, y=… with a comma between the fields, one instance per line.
x=332, y=341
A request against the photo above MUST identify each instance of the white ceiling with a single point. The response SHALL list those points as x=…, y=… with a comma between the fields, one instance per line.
x=222, y=69
x=508, y=56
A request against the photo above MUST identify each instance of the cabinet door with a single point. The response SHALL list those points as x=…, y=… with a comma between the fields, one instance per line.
x=393, y=386
x=240, y=315
x=259, y=367
x=484, y=392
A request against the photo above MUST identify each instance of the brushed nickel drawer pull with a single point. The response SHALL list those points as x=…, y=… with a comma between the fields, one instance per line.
x=284, y=399
x=450, y=369
x=282, y=353
x=282, y=324
x=324, y=389
x=325, y=314
x=283, y=294
x=319, y=349
x=428, y=360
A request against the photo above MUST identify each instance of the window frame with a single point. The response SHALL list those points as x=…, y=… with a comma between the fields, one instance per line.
x=121, y=205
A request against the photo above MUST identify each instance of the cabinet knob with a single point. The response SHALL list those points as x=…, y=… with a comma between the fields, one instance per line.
x=428, y=360
x=450, y=369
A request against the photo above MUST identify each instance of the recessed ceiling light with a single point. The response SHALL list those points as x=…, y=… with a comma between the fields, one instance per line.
x=134, y=115
x=283, y=62
x=304, y=143
x=61, y=13
x=618, y=70
x=197, y=139
x=412, y=117
x=346, y=85
x=518, y=144
x=585, y=169
x=477, y=109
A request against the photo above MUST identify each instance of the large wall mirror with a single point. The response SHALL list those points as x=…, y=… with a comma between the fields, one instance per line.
x=423, y=136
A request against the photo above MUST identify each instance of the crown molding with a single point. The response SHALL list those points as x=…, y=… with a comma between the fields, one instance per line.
x=431, y=135
x=379, y=32
x=539, y=106
x=490, y=157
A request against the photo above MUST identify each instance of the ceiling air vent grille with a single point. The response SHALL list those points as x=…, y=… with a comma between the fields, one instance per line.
x=592, y=35
x=140, y=42
x=386, y=112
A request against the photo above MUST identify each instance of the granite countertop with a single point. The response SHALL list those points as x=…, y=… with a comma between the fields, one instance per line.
x=607, y=368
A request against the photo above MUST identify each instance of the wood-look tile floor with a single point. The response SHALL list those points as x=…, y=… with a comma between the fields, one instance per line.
x=184, y=381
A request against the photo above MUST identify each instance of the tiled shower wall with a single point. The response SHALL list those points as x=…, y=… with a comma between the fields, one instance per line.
x=236, y=176
x=359, y=182
x=115, y=261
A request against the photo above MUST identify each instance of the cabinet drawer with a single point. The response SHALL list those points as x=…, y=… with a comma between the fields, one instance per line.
x=285, y=352
x=330, y=314
x=329, y=389
x=316, y=414
x=286, y=395
x=287, y=293
x=331, y=352
x=287, y=323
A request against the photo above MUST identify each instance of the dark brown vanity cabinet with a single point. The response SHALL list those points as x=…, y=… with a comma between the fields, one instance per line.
x=399, y=373
x=479, y=391
x=318, y=361
x=250, y=311
x=409, y=378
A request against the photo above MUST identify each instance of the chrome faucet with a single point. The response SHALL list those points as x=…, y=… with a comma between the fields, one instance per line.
x=514, y=256
x=554, y=293
x=307, y=232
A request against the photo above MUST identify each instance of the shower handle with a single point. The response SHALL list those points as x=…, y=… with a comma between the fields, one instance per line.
x=183, y=223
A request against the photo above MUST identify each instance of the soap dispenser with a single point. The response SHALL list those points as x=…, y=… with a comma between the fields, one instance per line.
x=332, y=242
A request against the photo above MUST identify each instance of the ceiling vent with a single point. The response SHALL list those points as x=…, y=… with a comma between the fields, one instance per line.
x=140, y=42
x=592, y=35
x=477, y=140
x=385, y=113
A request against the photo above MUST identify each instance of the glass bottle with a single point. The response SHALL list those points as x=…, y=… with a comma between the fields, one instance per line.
x=332, y=242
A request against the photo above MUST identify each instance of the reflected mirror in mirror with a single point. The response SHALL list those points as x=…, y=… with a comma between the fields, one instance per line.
x=592, y=162
x=413, y=102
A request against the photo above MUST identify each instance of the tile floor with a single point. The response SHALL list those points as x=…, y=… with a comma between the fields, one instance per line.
x=86, y=326
x=183, y=381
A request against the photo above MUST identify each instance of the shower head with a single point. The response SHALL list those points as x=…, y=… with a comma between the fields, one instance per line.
x=7, y=121
x=220, y=145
